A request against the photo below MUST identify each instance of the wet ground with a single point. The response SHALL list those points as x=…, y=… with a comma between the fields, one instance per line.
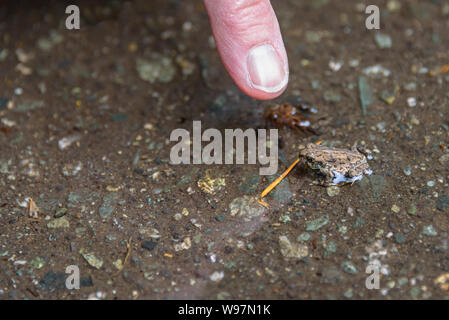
x=85, y=121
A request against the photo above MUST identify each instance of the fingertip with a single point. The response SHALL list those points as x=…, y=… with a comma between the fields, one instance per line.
x=260, y=94
x=250, y=45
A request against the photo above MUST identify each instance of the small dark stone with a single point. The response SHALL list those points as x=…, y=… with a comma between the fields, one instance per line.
x=52, y=281
x=3, y=103
x=136, y=260
x=442, y=202
x=119, y=117
x=220, y=217
x=86, y=282
x=149, y=245
x=228, y=249
x=139, y=171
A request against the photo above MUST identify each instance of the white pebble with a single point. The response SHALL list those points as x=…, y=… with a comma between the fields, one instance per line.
x=67, y=141
x=411, y=102
x=335, y=65
x=217, y=276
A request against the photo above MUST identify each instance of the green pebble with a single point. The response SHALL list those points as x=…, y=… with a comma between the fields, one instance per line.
x=220, y=217
x=108, y=206
x=74, y=197
x=402, y=281
x=303, y=237
x=317, y=223
x=58, y=223
x=110, y=238
x=399, y=238
x=383, y=40
x=37, y=262
x=60, y=212
x=349, y=293
x=429, y=231
x=348, y=267
x=414, y=292
x=412, y=210
x=91, y=259
x=330, y=248
x=358, y=222
x=160, y=68
x=284, y=219
x=197, y=238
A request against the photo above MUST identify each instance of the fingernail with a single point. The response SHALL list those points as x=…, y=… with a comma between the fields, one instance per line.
x=266, y=70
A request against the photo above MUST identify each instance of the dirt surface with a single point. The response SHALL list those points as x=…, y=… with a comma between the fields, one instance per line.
x=85, y=133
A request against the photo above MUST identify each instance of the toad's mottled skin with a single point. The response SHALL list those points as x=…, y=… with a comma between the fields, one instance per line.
x=335, y=165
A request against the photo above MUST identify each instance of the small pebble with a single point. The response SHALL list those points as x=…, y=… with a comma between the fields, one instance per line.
x=335, y=65
x=303, y=237
x=333, y=191
x=399, y=238
x=412, y=210
x=383, y=40
x=429, y=231
x=395, y=209
x=149, y=245
x=217, y=276
x=348, y=267
x=411, y=102
x=408, y=170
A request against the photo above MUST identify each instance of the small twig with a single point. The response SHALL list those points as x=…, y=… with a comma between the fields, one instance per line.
x=128, y=246
x=128, y=252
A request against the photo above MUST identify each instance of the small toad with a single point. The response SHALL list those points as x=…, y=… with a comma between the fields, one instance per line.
x=335, y=165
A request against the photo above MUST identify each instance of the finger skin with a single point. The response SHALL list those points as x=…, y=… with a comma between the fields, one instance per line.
x=240, y=25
